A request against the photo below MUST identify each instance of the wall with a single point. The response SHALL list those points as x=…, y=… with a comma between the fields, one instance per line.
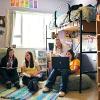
x=4, y=5
x=43, y=6
x=48, y=6
x=84, y=2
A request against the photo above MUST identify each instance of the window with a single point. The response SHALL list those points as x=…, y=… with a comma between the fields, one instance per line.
x=29, y=29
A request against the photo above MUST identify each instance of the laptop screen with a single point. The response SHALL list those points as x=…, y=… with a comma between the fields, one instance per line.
x=60, y=62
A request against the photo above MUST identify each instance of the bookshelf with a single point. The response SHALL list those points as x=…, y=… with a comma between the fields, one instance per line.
x=42, y=59
x=98, y=52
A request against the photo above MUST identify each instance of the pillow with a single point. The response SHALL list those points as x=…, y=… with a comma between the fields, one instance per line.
x=73, y=84
x=74, y=81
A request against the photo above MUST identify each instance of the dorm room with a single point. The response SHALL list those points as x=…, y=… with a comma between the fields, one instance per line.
x=79, y=32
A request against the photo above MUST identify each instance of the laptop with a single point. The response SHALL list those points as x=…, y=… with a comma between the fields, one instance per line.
x=60, y=62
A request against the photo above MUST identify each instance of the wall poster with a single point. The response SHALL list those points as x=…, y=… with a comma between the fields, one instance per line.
x=24, y=3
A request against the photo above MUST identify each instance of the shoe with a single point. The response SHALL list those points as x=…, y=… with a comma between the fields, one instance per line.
x=8, y=85
x=46, y=89
x=61, y=94
x=17, y=86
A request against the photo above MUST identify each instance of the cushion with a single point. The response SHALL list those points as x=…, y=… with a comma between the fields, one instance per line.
x=2, y=52
x=73, y=83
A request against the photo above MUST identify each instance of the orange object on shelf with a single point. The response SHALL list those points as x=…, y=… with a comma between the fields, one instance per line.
x=98, y=17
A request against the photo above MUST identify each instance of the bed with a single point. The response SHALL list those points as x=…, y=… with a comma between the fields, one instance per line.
x=88, y=14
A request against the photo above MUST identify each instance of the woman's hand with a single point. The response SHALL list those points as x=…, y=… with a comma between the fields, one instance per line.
x=35, y=74
x=25, y=74
x=76, y=69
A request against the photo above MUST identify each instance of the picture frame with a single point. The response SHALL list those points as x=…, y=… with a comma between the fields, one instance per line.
x=2, y=21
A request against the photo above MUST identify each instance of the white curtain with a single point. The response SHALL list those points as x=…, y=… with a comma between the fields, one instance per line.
x=9, y=27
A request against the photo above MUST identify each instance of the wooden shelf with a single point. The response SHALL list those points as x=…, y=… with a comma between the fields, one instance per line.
x=98, y=59
x=87, y=27
x=98, y=17
x=98, y=34
x=98, y=27
x=98, y=84
x=99, y=68
x=98, y=53
x=70, y=27
x=98, y=42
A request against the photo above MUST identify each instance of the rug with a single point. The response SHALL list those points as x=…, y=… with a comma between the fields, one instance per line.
x=24, y=94
x=45, y=96
x=4, y=92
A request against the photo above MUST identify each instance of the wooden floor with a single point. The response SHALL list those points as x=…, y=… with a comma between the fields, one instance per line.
x=85, y=95
x=89, y=94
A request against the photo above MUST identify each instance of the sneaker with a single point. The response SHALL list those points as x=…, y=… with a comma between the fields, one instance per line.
x=46, y=89
x=17, y=86
x=61, y=94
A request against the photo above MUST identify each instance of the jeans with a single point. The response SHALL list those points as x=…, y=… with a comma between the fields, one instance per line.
x=26, y=80
x=52, y=78
x=10, y=75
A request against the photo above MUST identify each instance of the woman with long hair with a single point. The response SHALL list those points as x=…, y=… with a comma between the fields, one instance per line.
x=8, y=67
x=74, y=67
x=30, y=68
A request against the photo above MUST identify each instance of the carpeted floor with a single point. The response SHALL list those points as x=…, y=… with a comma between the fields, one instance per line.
x=24, y=94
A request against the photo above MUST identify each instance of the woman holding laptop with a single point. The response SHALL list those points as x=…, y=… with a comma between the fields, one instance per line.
x=74, y=68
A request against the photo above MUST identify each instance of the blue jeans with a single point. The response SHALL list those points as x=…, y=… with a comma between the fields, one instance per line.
x=52, y=78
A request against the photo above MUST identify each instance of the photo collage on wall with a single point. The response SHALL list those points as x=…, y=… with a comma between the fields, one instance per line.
x=24, y=3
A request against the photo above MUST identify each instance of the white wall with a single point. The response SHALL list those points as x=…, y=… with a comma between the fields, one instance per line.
x=4, y=6
x=20, y=54
x=48, y=6
x=84, y=2
x=43, y=6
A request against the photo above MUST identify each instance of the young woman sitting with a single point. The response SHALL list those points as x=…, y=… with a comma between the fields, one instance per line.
x=74, y=69
x=8, y=69
x=30, y=69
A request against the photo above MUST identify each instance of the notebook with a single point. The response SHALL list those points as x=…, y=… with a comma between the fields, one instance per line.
x=60, y=62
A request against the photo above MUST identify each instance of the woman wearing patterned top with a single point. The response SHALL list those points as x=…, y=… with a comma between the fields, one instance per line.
x=8, y=69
